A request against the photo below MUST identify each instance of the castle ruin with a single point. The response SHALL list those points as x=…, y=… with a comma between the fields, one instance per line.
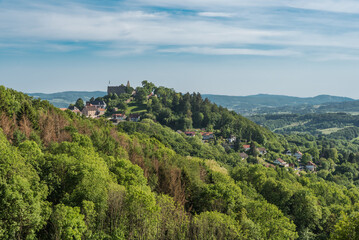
x=118, y=89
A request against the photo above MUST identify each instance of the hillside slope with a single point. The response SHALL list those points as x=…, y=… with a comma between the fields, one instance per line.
x=70, y=177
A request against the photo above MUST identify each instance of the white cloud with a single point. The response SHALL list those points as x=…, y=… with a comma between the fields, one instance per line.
x=135, y=30
x=232, y=51
x=118, y=51
x=344, y=6
x=131, y=26
x=216, y=14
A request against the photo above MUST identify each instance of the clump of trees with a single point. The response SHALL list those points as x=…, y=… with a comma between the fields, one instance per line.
x=68, y=177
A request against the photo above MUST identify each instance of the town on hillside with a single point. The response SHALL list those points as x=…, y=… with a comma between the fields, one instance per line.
x=97, y=108
x=124, y=103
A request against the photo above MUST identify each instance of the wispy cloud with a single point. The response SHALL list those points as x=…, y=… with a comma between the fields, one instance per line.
x=215, y=27
x=344, y=6
x=216, y=14
x=232, y=51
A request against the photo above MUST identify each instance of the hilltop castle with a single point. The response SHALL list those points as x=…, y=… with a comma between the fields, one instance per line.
x=118, y=89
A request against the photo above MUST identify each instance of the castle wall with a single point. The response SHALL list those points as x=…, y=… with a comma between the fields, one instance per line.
x=116, y=89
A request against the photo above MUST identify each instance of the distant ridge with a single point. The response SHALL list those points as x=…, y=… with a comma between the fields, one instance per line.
x=64, y=99
x=242, y=104
x=250, y=104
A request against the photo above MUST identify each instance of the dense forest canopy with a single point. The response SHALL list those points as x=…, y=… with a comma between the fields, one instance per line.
x=64, y=176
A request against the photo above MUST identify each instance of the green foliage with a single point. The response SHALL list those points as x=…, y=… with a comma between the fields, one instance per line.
x=347, y=228
x=80, y=104
x=214, y=225
x=68, y=177
x=23, y=206
x=68, y=223
x=174, y=222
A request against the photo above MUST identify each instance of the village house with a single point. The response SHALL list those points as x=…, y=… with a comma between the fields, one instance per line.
x=262, y=151
x=243, y=155
x=73, y=109
x=100, y=111
x=281, y=162
x=190, y=134
x=298, y=155
x=134, y=117
x=310, y=166
x=77, y=111
x=151, y=95
x=89, y=111
x=246, y=147
x=119, y=116
x=207, y=135
x=98, y=104
x=231, y=139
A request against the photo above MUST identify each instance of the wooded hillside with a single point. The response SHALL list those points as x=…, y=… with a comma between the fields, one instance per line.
x=69, y=177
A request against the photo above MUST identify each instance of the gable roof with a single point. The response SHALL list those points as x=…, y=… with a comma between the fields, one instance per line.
x=311, y=164
x=280, y=160
x=243, y=155
x=206, y=133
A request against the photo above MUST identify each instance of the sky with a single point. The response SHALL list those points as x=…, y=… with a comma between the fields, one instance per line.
x=229, y=47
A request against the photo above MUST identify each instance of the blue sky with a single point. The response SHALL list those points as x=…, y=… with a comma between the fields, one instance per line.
x=232, y=47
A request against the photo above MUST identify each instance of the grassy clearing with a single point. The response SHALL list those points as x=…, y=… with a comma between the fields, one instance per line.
x=330, y=130
x=134, y=107
x=295, y=124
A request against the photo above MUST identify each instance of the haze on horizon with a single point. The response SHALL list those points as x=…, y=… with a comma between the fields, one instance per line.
x=229, y=47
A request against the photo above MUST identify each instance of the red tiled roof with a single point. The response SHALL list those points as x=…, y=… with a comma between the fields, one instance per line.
x=280, y=160
x=311, y=164
x=246, y=146
x=206, y=133
x=119, y=115
x=63, y=109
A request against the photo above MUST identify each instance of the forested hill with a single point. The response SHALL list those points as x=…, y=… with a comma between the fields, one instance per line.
x=265, y=103
x=332, y=125
x=69, y=177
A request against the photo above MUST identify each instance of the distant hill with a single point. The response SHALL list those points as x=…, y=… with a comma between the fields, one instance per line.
x=352, y=106
x=266, y=103
x=246, y=105
x=64, y=99
x=332, y=125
